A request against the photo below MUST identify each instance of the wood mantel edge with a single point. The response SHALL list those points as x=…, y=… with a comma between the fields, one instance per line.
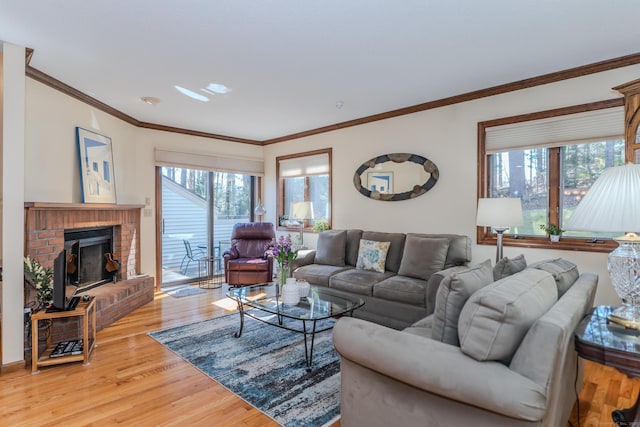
x=79, y=206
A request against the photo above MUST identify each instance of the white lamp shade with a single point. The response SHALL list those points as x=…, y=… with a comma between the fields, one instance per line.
x=612, y=204
x=302, y=210
x=499, y=212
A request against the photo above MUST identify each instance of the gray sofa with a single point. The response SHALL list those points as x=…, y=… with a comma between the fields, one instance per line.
x=405, y=291
x=514, y=363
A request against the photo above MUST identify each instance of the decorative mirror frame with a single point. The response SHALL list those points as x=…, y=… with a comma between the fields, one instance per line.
x=417, y=190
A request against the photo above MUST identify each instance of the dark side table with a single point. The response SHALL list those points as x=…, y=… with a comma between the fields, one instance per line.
x=613, y=345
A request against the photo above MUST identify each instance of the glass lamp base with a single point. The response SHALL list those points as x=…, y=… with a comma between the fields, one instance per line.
x=624, y=271
x=627, y=316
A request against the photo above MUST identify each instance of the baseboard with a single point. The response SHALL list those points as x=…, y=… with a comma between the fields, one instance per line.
x=13, y=367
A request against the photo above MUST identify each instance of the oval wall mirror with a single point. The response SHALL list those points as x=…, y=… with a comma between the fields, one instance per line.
x=397, y=176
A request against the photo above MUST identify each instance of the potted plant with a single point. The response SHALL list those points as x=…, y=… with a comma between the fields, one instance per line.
x=553, y=231
x=321, y=225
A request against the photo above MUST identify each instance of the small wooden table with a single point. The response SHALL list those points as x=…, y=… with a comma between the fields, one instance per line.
x=84, y=310
x=601, y=341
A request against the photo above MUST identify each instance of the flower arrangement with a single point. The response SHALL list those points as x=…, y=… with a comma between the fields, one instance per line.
x=282, y=250
x=41, y=279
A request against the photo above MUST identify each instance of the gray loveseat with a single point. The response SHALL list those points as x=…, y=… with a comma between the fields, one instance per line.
x=503, y=357
x=405, y=291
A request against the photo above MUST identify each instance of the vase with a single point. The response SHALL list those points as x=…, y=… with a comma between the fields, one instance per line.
x=290, y=293
x=554, y=237
x=283, y=274
x=303, y=288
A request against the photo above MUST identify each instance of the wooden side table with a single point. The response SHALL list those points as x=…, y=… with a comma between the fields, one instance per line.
x=610, y=344
x=84, y=310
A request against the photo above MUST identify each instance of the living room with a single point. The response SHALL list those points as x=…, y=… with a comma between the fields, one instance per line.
x=446, y=134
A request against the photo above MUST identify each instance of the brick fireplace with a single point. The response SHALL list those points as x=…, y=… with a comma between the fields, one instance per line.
x=45, y=226
x=47, y=222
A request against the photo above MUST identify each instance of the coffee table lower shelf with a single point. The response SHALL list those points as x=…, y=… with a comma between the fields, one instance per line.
x=268, y=300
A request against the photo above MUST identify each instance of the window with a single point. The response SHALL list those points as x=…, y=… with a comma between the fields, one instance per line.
x=550, y=160
x=304, y=177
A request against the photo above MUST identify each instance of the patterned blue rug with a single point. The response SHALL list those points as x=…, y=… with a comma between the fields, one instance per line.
x=265, y=367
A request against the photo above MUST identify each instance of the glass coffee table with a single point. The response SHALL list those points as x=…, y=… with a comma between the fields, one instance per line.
x=322, y=303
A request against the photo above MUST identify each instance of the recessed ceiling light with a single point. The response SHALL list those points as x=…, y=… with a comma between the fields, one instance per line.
x=191, y=94
x=216, y=88
x=150, y=100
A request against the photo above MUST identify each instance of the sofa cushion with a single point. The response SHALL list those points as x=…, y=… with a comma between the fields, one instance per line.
x=496, y=318
x=353, y=245
x=564, y=272
x=453, y=292
x=357, y=281
x=423, y=256
x=459, y=252
x=403, y=289
x=372, y=255
x=508, y=266
x=394, y=255
x=318, y=274
x=331, y=247
x=422, y=328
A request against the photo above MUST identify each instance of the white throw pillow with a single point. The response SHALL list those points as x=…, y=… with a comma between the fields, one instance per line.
x=372, y=255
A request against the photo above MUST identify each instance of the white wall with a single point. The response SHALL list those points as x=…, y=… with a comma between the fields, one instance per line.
x=448, y=137
x=13, y=136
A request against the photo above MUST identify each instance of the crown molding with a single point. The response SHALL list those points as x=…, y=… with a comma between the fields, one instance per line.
x=557, y=76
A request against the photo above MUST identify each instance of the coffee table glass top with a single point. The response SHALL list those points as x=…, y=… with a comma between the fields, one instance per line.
x=321, y=303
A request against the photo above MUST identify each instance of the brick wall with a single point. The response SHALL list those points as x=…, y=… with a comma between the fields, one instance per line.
x=45, y=224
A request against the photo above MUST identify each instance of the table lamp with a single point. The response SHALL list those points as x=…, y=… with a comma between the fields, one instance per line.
x=500, y=214
x=612, y=204
x=301, y=211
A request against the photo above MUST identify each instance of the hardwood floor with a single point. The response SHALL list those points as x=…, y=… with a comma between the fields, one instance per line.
x=133, y=380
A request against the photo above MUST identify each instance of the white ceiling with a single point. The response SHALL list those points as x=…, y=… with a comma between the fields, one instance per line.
x=289, y=63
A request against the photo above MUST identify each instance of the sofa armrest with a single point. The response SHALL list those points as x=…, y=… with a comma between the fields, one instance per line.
x=438, y=368
x=305, y=257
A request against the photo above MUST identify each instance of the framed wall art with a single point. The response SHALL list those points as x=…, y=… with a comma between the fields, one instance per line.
x=381, y=182
x=96, y=167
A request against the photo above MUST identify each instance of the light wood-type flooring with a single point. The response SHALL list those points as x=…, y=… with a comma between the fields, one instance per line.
x=134, y=381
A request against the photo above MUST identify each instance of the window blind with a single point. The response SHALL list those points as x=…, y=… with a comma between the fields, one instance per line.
x=590, y=126
x=317, y=164
x=209, y=162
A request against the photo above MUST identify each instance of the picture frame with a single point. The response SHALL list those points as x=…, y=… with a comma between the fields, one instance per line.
x=96, y=167
x=381, y=182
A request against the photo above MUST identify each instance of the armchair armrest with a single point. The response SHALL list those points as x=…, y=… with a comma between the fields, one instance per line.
x=439, y=369
x=231, y=253
x=305, y=257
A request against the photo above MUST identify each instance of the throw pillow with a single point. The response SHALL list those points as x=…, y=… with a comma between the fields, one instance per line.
x=506, y=267
x=453, y=292
x=372, y=255
x=496, y=318
x=331, y=247
x=423, y=256
x=564, y=272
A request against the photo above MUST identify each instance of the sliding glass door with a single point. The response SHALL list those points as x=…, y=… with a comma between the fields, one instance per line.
x=199, y=209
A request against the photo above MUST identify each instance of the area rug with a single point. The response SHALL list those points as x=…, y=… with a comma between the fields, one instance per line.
x=183, y=291
x=265, y=367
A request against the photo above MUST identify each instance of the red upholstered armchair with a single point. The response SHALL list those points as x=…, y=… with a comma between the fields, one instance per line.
x=246, y=262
